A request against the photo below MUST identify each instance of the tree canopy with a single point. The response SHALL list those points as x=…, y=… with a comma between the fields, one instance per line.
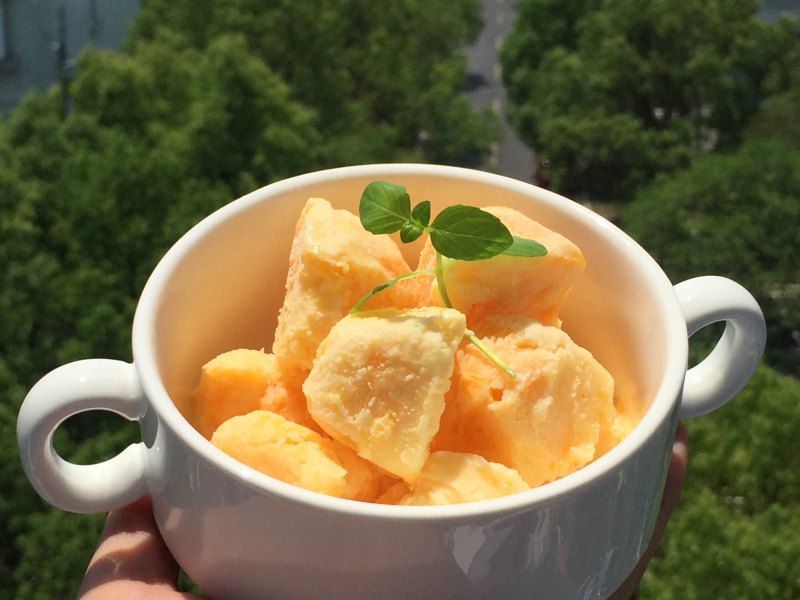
x=612, y=93
x=383, y=79
x=736, y=214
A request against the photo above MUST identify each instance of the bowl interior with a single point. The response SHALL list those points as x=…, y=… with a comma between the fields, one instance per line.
x=221, y=286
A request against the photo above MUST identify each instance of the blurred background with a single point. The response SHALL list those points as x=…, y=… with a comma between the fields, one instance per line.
x=124, y=123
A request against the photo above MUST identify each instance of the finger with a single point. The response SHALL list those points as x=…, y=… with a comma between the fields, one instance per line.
x=679, y=462
x=672, y=487
x=131, y=559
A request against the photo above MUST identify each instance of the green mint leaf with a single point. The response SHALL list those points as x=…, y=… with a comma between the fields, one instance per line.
x=384, y=207
x=420, y=217
x=525, y=247
x=468, y=233
x=422, y=213
x=410, y=231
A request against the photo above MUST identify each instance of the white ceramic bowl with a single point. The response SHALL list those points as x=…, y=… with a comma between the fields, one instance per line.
x=243, y=535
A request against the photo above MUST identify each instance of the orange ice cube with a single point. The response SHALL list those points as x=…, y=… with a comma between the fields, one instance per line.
x=509, y=285
x=546, y=422
x=453, y=477
x=242, y=380
x=379, y=380
x=295, y=454
x=333, y=262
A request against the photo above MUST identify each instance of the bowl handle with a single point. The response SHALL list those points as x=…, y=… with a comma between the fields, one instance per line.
x=717, y=378
x=94, y=384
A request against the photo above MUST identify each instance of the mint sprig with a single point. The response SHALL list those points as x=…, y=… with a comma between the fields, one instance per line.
x=459, y=232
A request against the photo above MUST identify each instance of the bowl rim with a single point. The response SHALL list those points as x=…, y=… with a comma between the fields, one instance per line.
x=663, y=408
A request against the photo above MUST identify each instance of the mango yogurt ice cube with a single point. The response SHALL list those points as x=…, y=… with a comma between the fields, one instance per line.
x=379, y=381
x=511, y=285
x=333, y=262
x=239, y=381
x=545, y=423
x=455, y=477
x=295, y=454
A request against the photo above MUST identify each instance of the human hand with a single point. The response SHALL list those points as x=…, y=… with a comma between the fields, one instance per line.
x=132, y=561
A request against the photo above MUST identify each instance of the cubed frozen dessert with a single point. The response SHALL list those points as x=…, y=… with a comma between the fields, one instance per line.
x=242, y=380
x=454, y=477
x=509, y=285
x=379, y=380
x=295, y=454
x=546, y=422
x=333, y=262
x=395, y=403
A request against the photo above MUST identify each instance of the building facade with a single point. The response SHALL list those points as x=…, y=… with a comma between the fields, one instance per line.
x=40, y=40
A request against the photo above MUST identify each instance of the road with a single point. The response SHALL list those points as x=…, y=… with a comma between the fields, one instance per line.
x=484, y=89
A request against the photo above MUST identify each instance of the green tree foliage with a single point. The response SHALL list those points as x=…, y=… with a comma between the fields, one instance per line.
x=749, y=468
x=43, y=574
x=735, y=533
x=17, y=499
x=779, y=115
x=382, y=77
x=220, y=114
x=734, y=214
x=613, y=92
